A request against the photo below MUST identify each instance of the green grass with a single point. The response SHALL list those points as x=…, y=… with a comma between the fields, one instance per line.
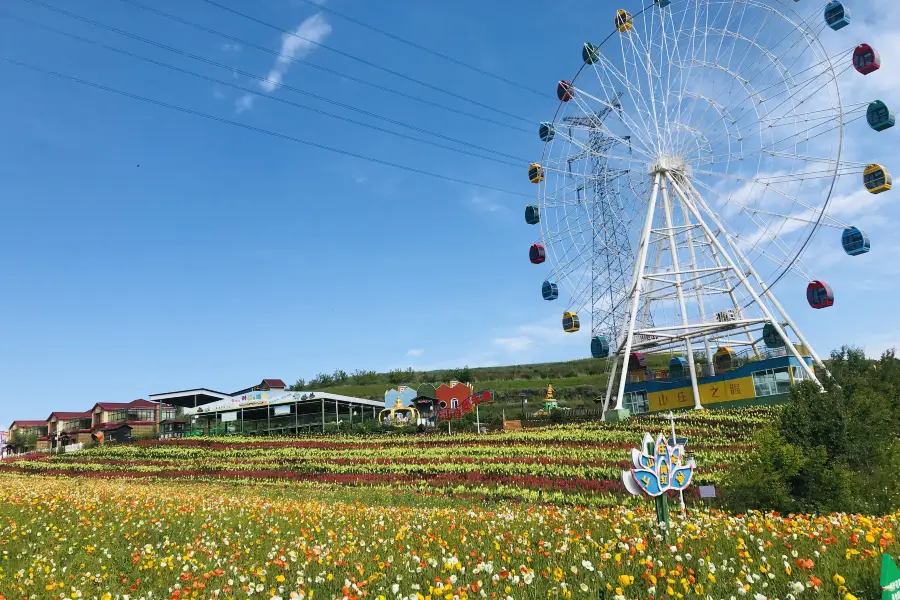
x=377, y=390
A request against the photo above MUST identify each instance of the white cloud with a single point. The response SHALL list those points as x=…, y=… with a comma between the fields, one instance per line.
x=514, y=344
x=415, y=352
x=243, y=103
x=231, y=48
x=297, y=44
x=218, y=95
x=487, y=204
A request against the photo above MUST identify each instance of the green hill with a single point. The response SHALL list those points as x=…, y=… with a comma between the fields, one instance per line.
x=575, y=382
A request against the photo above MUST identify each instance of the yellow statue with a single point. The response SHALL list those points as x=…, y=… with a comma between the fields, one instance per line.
x=399, y=415
x=549, y=392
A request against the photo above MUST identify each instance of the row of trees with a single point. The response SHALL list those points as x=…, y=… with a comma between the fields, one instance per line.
x=831, y=450
x=395, y=377
x=548, y=371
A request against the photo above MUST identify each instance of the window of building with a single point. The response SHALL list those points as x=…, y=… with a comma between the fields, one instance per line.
x=133, y=414
x=798, y=374
x=771, y=382
x=636, y=402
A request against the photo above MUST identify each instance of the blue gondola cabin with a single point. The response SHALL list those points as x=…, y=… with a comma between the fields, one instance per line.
x=565, y=91
x=678, y=367
x=877, y=179
x=836, y=15
x=662, y=3
x=599, y=347
x=535, y=173
x=550, y=291
x=590, y=53
x=865, y=59
x=537, y=254
x=546, y=131
x=819, y=294
x=879, y=116
x=855, y=241
x=532, y=214
x=570, y=322
x=771, y=337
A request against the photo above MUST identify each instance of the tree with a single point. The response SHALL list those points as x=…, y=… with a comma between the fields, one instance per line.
x=463, y=375
x=398, y=376
x=834, y=449
x=298, y=386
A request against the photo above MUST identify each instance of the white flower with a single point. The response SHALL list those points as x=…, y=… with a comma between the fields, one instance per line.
x=587, y=565
x=759, y=597
x=395, y=588
x=797, y=587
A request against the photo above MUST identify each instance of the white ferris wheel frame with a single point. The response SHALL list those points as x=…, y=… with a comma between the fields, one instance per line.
x=731, y=271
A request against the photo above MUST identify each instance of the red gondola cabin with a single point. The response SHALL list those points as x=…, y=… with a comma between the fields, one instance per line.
x=865, y=59
x=565, y=91
x=537, y=254
x=636, y=362
x=819, y=294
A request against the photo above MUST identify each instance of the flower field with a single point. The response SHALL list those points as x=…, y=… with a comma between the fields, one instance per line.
x=572, y=464
x=64, y=537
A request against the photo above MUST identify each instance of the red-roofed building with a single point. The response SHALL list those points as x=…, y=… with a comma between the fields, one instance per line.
x=26, y=435
x=142, y=415
x=266, y=385
x=69, y=427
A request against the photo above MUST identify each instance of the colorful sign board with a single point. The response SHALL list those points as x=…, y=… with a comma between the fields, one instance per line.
x=659, y=467
x=728, y=390
x=890, y=578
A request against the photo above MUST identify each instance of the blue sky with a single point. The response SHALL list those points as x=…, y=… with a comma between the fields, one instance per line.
x=228, y=256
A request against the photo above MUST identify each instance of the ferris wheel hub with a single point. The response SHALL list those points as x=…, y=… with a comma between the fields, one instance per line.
x=670, y=163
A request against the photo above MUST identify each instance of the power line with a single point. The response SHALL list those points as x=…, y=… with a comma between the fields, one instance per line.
x=322, y=7
x=341, y=53
x=257, y=129
x=325, y=69
x=260, y=78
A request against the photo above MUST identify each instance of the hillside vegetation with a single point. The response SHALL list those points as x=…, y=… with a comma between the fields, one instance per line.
x=577, y=382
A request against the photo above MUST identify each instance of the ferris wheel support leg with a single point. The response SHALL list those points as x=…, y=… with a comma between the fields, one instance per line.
x=694, y=267
x=638, y=286
x=771, y=297
x=679, y=291
x=609, y=385
x=734, y=302
x=740, y=274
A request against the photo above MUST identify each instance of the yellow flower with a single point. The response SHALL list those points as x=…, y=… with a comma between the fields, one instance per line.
x=711, y=577
x=849, y=596
x=837, y=579
x=280, y=579
x=626, y=580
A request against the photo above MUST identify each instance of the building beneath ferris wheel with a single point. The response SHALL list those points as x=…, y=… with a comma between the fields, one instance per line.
x=748, y=378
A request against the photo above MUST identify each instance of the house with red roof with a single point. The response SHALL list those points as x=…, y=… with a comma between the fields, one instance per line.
x=68, y=428
x=24, y=435
x=141, y=415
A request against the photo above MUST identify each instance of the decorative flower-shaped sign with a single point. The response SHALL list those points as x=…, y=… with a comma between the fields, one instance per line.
x=657, y=472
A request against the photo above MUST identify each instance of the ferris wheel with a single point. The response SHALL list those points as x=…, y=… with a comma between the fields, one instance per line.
x=690, y=162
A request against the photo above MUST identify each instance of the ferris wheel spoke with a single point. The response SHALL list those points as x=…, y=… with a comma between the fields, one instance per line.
x=586, y=109
x=605, y=70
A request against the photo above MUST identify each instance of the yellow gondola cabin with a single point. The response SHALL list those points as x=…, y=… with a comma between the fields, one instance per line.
x=877, y=179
